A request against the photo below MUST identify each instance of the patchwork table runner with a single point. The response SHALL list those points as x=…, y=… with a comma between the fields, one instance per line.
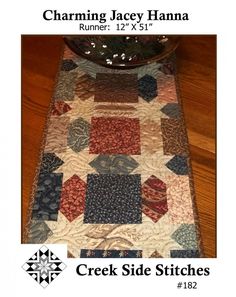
x=114, y=177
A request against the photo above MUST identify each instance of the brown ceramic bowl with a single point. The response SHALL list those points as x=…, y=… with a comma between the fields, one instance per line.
x=122, y=52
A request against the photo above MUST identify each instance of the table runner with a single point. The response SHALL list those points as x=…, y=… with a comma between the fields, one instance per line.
x=114, y=177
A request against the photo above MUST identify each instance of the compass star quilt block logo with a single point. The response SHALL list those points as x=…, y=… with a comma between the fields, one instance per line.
x=44, y=266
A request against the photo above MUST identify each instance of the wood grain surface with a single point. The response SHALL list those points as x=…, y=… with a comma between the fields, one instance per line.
x=196, y=61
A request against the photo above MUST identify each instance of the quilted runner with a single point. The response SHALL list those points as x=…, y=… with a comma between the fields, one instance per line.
x=114, y=178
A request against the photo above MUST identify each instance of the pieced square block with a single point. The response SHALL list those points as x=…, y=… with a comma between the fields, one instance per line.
x=115, y=135
x=113, y=199
x=110, y=87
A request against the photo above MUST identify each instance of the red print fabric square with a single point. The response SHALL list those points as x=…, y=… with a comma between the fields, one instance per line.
x=73, y=197
x=114, y=135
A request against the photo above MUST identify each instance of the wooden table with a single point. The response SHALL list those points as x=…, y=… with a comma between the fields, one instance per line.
x=196, y=60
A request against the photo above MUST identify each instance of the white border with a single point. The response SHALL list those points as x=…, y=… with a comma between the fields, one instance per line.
x=25, y=17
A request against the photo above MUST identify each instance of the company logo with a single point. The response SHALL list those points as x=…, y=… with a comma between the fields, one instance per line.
x=44, y=266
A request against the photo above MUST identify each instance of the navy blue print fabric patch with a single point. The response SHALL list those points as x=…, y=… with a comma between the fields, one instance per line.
x=113, y=199
x=110, y=254
x=50, y=162
x=184, y=254
x=147, y=87
x=179, y=165
x=47, y=197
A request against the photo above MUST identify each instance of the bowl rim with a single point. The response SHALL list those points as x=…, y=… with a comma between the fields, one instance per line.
x=175, y=39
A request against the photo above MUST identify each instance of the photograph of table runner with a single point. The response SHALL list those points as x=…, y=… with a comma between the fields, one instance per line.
x=114, y=177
